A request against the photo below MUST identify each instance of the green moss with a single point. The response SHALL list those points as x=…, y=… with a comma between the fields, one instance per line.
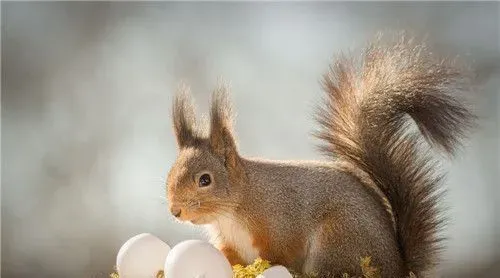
x=251, y=271
x=259, y=265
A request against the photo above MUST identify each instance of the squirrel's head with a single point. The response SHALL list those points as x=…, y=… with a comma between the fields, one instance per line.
x=205, y=180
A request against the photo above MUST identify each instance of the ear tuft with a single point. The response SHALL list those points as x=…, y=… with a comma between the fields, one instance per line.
x=221, y=114
x=221, y=125
x=184, y=117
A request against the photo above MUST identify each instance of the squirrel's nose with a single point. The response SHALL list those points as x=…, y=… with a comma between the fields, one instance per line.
x=175, y=211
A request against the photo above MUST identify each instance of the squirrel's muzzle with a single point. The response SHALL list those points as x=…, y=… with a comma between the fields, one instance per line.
x=175, y=211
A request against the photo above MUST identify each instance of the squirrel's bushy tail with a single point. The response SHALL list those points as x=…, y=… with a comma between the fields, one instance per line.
x=365, y=122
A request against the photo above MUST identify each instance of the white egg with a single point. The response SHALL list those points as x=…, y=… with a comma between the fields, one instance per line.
x=277, y=271
x=141, y=256
x=196, y=258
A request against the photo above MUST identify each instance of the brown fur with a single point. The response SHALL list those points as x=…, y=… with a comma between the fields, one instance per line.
x=232, y=255
x=377, y=198
x=263, y=241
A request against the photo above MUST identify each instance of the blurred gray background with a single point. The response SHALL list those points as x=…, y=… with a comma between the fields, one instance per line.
x=86, y=131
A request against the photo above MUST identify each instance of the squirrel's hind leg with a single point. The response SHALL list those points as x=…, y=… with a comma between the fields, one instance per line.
x=327, y=254
x=335, y=248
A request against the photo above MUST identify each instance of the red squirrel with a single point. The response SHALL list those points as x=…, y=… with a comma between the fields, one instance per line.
x=375, y=196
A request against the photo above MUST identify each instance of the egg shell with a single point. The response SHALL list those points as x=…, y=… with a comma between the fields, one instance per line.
x=141, y=256
x=277, y=271
x=197, y=258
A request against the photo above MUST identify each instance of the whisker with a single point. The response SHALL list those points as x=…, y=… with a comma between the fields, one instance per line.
x=192, y=203
x=220, y=209
x=222, y=203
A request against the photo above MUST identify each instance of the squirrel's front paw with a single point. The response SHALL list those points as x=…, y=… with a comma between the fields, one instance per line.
x=232, y=255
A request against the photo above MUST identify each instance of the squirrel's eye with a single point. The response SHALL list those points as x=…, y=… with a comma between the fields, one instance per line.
x=204, y=180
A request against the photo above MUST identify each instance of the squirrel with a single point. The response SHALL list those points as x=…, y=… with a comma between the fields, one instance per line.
x=377, y=195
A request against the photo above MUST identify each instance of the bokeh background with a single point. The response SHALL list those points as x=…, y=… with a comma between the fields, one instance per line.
x=86, y=131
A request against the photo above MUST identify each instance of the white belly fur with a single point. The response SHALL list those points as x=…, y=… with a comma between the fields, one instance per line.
x=224, y=230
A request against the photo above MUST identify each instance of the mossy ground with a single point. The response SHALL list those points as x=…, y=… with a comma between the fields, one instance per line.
x=259, y=265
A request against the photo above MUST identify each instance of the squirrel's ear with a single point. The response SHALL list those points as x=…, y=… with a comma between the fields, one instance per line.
x=184, y=118
x=221, y=135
